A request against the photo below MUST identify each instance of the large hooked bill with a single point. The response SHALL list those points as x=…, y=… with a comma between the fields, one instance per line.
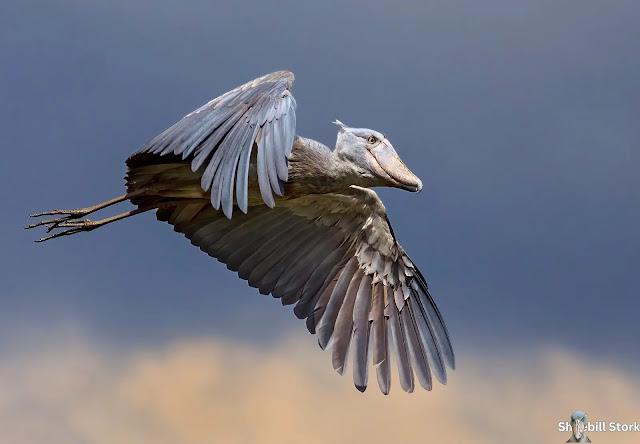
x=391, y=163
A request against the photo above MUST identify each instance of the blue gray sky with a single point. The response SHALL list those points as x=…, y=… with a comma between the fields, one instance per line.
x=521, y=119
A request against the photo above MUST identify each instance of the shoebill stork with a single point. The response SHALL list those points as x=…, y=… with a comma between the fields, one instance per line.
x=578, y=426
x=297, y=221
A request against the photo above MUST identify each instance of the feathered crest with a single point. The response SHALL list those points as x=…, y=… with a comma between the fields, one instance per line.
x=340, y=124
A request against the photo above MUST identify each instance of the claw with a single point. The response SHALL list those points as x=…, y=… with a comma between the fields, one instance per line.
x=53, y=223
x=60, y=233
x=75, y=226
x=37, y=224
x=67, y=221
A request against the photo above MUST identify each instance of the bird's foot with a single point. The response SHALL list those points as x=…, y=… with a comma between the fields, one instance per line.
x=69, y=221
x=55, y=223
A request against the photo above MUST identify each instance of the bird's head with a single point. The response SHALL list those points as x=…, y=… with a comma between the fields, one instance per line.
x=578, y=423
x=374, y=158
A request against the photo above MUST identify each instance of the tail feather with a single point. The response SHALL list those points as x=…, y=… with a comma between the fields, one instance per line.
x=153, y=183
x=152, y=179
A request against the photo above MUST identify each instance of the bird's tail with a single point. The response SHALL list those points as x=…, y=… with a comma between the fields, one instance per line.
x=153, y=182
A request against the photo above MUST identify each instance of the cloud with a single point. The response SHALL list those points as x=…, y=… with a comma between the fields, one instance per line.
x=208, y=390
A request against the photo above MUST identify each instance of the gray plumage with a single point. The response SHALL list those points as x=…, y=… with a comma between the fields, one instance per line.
x=416, y=351
x=378, y=324
x=361, y=309
x=344, y=323
x=328, y=320
x=578, y=427
x=400, y=345
x=309, y=231
x=221, y=134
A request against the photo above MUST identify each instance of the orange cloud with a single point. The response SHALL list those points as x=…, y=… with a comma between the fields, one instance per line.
x=211, y=391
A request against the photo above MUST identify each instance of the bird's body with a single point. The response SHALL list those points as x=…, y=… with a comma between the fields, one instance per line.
x=578, y=427
x=296, y=220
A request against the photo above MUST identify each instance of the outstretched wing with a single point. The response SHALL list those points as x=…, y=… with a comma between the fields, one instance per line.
x=221, y=135
x=335, y=257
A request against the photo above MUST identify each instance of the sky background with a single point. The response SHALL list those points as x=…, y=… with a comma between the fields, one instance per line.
x=521, y=119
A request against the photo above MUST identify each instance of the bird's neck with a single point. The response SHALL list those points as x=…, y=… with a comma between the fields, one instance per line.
x=314, y=168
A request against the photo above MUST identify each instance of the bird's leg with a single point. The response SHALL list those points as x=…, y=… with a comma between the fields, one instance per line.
x=73, y=214
x=76, y=226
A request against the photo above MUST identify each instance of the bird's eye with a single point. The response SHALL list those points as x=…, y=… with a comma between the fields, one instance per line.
x=372, y=139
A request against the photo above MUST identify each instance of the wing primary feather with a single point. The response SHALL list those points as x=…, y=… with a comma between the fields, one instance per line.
x=404, y=366
x=315, y=316
x=429, y=343
x=383, y=370
x=361, y=331
x=379, y=333
x=418, y=356
x=327, y=321
x=344, y=324
x=435, y=321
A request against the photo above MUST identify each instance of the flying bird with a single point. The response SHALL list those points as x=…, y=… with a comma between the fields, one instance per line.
x=297, y=221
